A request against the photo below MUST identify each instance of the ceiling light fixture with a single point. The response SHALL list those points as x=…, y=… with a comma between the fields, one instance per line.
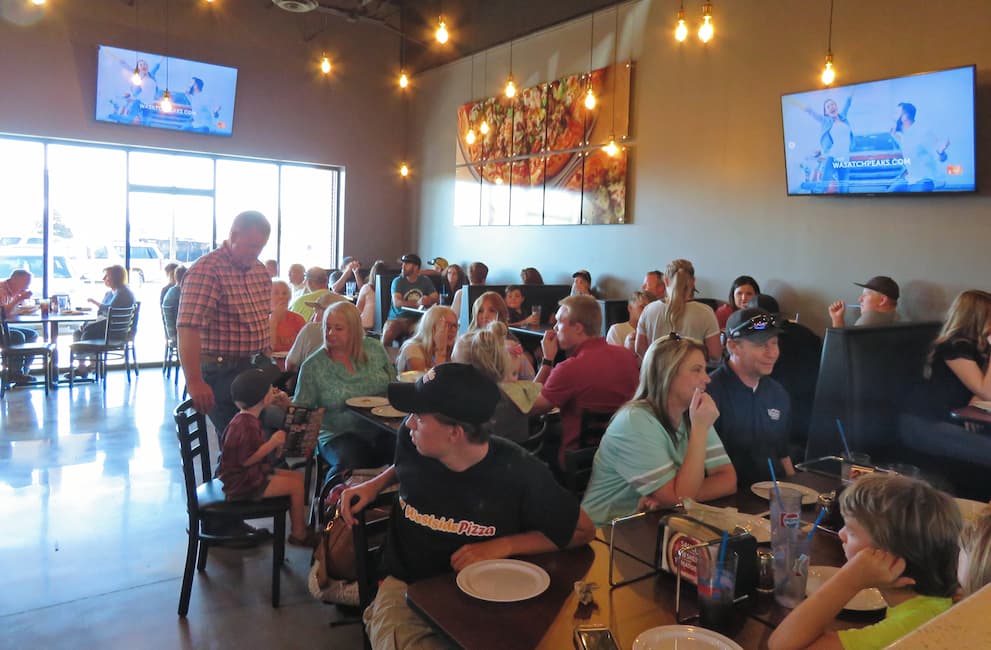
x=166, y=104
x=681, y=31
x=403, y=77
x=441, y=34
x=510, y=85
x=325, y=66
x=828, y=72
x=612, y=149
x=404, y=170
x=707, y=30
x=589, y=93
x=136, y=77
x=483, y=128
x=470, y=135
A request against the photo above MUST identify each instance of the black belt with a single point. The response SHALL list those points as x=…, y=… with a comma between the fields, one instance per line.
x=213, y=359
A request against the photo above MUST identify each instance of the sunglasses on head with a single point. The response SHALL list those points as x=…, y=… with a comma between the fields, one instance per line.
x=758, y=323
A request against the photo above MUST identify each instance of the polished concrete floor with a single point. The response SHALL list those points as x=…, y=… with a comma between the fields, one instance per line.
x=93, y=535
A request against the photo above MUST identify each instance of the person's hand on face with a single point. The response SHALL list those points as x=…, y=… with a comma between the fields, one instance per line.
x=703, y=411
x=549, y=344
x=872, y=567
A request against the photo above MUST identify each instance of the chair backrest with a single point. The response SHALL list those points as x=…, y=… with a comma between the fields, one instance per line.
x=545, y=295
x=134, y=322
x=593, y=426
x=170, y=314
x=383, y=296
x=368, y=537
x=613, y=311
x=578, y=462
x=120, y=321
x=864, y=377
x=191, y=431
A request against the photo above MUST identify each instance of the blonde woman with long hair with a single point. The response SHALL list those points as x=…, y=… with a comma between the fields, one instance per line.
x=490, y=307
x=348, y=365
x=661, y=446
x=680, y=313
x=433, y=341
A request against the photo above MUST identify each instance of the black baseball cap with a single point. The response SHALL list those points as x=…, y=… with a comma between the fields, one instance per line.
x=411, y=258
x=251, y=386
x=455, y=390
x=882, y=284
x=752, y=323
x=583, y=274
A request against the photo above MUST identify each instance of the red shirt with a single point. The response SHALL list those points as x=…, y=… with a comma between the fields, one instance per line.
x=242, y=438
x=597, y=377
x=229, y=304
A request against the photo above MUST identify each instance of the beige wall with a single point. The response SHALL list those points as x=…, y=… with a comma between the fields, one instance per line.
x=284, y=110
x=707, y=180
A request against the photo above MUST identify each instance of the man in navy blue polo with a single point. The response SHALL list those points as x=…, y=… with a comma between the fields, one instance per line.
x=754, y=410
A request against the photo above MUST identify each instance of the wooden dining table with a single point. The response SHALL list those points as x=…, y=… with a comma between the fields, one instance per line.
x=51, y=321
x=548, y=621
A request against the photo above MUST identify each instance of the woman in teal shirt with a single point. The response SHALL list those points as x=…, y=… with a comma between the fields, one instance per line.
x=348, y=365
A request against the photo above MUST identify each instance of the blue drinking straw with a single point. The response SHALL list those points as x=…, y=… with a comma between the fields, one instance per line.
x=721, y=560
x=822, y=515
x=839, y=425
x=774, y=478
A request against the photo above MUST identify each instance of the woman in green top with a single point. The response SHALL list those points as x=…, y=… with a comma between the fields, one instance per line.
x=348, y=365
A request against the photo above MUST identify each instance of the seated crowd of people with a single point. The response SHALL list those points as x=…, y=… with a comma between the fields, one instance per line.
x=695, y=413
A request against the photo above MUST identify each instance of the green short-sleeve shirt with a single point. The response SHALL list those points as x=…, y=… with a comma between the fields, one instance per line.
x=898, y=621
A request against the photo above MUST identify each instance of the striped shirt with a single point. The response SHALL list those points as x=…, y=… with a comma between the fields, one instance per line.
x=228, y=304
x=637, y=457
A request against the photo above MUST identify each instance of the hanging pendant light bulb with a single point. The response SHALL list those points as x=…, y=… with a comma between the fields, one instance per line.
x=403, y=79
x=483, y=128
x=828, y=73
x=589, y=96
x=681, y=31
x=404, y=170
x=510, y=88
x=706, y=31
x=136, y=77
x=611, y=149
x=470, y=136
x=441, y=34
x=166, y=103
x=325, y=66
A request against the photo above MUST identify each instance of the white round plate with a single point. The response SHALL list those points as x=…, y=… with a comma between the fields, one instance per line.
x=764, y=489
x=503, y=581
x=388, y=412
x=683, y=637
x=367, y=402
x=867, y=600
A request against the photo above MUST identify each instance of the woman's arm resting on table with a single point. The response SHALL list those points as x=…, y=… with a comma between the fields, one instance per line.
x=969, y=373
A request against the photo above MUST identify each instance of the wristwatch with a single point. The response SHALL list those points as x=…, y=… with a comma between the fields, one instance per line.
x=547, y=362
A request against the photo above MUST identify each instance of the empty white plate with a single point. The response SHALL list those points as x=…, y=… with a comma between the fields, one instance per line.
x=503, y=581
x=367, y=402
x=765, y=488
x=388, y=412
x=683, y=637
x=867, y=600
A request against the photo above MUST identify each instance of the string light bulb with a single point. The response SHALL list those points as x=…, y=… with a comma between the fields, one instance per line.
x=589, y=96
x=681, y=31
x=136, y=77
x=441, y=34
x=510, y=88
x=483, y=128
x=611, y=149
x=325, y=66
x=404, y=170
x=706, y=31
x=166, y=103
x=38, y=3
x=470, y=136
x=828, y=73
x=403, y=79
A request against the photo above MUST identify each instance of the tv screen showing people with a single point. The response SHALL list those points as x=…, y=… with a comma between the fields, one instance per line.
x=908, y=134
x=131, y=88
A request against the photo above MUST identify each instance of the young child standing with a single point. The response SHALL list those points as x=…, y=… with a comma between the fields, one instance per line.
x=244, y=469
x=900, y=535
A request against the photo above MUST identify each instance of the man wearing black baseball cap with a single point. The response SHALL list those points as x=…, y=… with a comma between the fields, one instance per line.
x=754, y=410
x=463, y=496
x=878, y=303
x=409, y=289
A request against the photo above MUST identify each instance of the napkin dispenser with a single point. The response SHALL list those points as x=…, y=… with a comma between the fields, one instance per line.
x=679, y=531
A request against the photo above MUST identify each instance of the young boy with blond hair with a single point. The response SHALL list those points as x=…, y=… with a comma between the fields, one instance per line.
x=900, y=536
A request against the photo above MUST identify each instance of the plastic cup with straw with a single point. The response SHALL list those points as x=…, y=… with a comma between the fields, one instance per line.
x=774, y=480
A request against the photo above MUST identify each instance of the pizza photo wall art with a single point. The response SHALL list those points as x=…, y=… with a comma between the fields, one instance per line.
x=541, y=161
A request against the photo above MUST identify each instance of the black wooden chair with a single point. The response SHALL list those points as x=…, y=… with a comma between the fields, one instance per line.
x=117, y=337
x=578, y=462
x=369, y=538
x=205, y=502
x=129, y=350
x=11, y=355
x=170, y=358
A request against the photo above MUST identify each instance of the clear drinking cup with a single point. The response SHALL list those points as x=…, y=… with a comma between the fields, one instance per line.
x=535, y=310
x=716, y=588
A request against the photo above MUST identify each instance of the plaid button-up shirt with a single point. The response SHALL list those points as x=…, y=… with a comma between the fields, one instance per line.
x=229, y=304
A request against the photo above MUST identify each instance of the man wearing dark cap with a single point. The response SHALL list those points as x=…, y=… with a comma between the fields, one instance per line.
x=464, y=497
x=754, y=410
x=878, y=303
x=581, y=283
x=409, y=289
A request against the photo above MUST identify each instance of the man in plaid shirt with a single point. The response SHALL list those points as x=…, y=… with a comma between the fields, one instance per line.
x=223, y=317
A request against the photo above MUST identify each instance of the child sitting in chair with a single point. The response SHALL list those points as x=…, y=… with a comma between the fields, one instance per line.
x=900, y=535
x=244, y=469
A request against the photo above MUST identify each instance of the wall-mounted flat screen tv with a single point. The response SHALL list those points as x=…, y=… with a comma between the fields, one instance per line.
x=202, y=94
x=902, y=135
